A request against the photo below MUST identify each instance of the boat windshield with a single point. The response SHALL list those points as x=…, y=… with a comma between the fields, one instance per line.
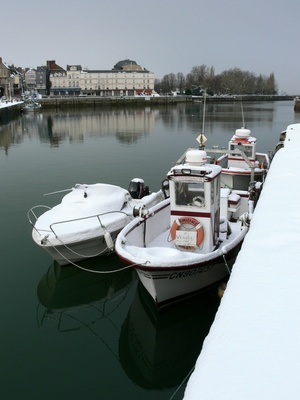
x=248, y=150
x=189, y=194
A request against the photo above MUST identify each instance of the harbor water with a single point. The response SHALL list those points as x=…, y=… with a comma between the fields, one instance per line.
x=67, y=333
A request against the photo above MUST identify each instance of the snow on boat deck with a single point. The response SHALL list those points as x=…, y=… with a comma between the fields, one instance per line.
x=253, y=348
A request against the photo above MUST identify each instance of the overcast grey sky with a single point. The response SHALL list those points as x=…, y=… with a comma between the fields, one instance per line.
x=163, y=36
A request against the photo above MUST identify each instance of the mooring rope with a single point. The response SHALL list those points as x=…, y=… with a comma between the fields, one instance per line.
x=98, y=272
x=179, y=387
x=226, y=265
x=74, y=252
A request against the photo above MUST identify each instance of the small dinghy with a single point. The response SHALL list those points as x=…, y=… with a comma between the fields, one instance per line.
x=189, y=241
x=88, y=219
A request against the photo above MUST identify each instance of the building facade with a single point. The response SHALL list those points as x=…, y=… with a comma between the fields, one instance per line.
x=11, y=81
x=5, y=83
x=30, y=80
x=125, y=79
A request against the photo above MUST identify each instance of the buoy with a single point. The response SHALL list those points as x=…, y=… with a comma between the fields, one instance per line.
x=108, y=240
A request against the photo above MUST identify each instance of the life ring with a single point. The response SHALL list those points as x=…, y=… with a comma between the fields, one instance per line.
x=188, y=221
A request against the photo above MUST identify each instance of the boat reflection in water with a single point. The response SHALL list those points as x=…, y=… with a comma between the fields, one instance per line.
x=73, y=295
x=158, y=349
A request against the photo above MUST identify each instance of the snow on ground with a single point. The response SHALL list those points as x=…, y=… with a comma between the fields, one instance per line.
x=253, y=348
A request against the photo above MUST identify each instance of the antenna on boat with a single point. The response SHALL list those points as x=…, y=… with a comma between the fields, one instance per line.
x=58, y=191
x=244, y=126
x=204, y=109
x=201, y=139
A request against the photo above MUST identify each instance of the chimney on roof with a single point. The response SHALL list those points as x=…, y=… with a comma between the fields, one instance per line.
x=51, y=64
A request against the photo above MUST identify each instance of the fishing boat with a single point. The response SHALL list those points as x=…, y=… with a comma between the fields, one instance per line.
x=88, y=219
x=189, y=241
x=241, y=164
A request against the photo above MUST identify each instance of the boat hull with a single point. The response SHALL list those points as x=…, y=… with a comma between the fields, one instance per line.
x=170, y=285
x=78, y=251
x=86, y=222
x=167, y=273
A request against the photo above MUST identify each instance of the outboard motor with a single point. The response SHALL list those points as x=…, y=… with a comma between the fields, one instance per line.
x=137, y=188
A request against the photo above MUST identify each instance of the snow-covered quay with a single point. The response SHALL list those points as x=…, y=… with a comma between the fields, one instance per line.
x=252, y=351
x=9, y=107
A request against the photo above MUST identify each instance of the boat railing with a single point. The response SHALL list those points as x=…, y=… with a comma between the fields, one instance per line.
x=236, y=151
x=33, y=215
x=96, y=216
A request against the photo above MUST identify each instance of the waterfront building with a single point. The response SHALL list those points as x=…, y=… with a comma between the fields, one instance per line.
x=42, y=80
x=127, y=78
x=30, y=80
x=4, y=80
x=11, y=80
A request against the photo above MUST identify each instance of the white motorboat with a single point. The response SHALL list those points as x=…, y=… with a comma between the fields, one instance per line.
x=189, y=241
x=88, y=219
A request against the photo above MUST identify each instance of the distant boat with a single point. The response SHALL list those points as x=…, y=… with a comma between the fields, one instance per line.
x=88, y=219
x=187, y=242
x=147, y=94
x=31, y=105
x=297, y=103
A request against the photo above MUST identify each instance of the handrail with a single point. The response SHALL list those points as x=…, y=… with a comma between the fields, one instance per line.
x=51, y=226
x=33, y=213
x=84, y=218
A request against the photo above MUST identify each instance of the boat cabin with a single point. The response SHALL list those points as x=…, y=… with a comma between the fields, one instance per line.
x=195, y=202
x=242, y=141
x=241, y=164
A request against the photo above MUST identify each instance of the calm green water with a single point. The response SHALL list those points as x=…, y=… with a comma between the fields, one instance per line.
x=70, y=334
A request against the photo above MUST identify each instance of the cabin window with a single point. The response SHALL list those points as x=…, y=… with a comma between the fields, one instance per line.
x=248, y=151
x=189, y=194
x=233, y=148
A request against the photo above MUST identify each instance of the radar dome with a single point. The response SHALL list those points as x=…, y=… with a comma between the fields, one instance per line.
x=243, y=133
x=196, y=157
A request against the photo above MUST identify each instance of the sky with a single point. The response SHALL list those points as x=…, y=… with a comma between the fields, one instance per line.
x=252, y=351
x=163, y=36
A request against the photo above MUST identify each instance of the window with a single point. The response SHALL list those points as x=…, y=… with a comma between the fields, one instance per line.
x=189, y=194
x=248, y=151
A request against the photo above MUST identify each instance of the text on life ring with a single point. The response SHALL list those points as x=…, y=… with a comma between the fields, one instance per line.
x=194, y=224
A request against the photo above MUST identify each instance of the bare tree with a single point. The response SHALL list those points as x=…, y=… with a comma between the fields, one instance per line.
x=271, y=86
x=198, y=75
x=168, y=83
x=231, y=81
x=181, y=82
